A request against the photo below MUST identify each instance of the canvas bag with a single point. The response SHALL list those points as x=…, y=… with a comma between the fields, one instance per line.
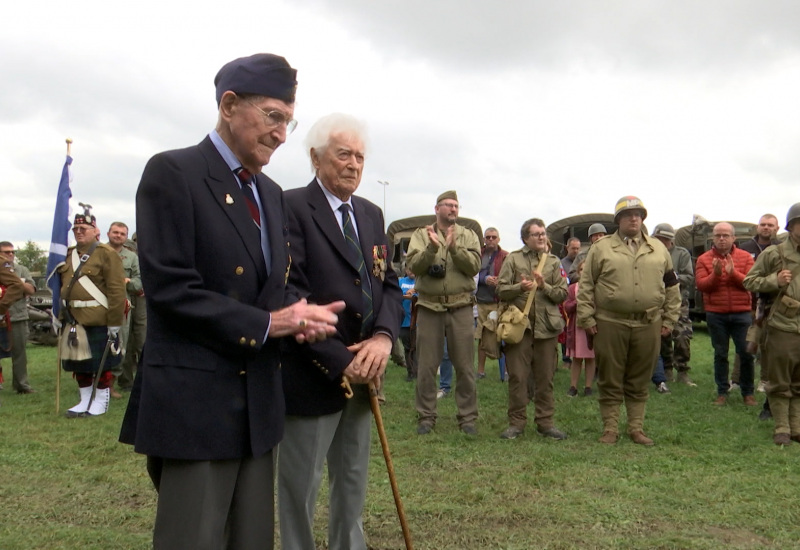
x=512, y=322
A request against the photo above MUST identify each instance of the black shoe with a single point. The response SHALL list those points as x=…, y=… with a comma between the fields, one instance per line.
x=424, y=428
x=555, y=433
x=572, y=391
x=765, y=414
x=26, y=391
x=511, y=433
x=469, y=429
x=587, y=391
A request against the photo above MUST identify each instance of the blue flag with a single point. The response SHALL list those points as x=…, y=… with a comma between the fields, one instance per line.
x=59, y=240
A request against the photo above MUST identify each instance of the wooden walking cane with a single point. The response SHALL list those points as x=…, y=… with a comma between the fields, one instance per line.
x=376, y=412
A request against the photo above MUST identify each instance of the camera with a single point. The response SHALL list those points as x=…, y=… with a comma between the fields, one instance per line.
x=437, y=271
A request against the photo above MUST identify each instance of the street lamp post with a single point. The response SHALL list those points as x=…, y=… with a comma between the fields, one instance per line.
x=385, y=185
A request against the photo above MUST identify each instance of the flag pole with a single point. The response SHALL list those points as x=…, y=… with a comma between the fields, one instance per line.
x=58, y=332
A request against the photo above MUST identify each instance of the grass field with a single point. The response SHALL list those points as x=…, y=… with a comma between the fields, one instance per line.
x=713, y=480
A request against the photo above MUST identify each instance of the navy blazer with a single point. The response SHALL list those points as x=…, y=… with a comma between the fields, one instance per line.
x=322, y=273
x=210, y=387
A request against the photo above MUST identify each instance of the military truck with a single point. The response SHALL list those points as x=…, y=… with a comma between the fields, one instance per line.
x=399, y=234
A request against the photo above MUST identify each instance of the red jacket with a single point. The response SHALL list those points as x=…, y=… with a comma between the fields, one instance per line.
x=724, y=293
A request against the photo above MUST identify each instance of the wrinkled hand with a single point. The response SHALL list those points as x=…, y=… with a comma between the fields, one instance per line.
x=434, y=238
x=370, y=361
x=784, y=278
x=113, y=332
x=306, y=322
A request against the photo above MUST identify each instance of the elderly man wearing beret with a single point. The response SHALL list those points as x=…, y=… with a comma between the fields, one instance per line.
x=207, y=407
x=445, y=257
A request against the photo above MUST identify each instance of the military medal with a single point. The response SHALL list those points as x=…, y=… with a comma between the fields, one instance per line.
x=228, y=199
x=379, y=261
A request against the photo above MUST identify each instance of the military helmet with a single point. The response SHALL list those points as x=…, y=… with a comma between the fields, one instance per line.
x=664, y=230
x=629, y=202
x=793, y=214
x=596, y=228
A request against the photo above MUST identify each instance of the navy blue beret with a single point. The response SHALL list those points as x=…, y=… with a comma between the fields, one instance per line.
x=261, y=74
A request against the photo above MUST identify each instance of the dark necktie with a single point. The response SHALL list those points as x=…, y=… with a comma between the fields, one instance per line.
x=250, y=199
x=357, y=260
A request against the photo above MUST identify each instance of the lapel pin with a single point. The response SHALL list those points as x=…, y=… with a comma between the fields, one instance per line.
x=228, y=199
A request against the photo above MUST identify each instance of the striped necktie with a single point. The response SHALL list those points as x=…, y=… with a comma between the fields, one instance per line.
x=357, y=260
x=250, y=199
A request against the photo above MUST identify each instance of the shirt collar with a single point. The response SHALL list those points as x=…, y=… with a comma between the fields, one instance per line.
x=333, y=200
x=225, y=151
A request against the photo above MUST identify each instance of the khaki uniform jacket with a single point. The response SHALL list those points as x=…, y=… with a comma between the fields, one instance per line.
x=763, y=277
x=12, y=283
x=130, y=268
x=461, y=266
x=617, y=286
x=19, y=309
x=104, y=268
x=682, y=263
x=544, y=316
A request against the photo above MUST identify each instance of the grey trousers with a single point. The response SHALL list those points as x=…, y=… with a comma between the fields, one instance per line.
x=19, y=355
x=343, y=439
x=216, y=505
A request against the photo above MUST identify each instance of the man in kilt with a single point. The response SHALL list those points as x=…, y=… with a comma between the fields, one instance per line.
x=92, y=312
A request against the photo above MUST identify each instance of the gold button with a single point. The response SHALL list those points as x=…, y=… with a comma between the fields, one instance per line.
x=357, y=282
x=358, y=316
x=242, y=372
x=252, y=343
x=242, y=340
x=239, y=270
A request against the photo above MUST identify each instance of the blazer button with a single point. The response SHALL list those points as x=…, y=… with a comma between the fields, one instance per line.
x=252, y=343
x=358, y=316
x=242, y=340
x=239, y=270
x=242, y=372
x=357, y=282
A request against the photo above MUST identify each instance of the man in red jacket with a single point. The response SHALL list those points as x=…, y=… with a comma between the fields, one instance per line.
x=719, y=276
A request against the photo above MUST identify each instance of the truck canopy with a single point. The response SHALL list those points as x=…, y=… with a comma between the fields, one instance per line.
x=399, y=234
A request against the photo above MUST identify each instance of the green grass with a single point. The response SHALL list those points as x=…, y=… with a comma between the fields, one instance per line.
x=713, y=480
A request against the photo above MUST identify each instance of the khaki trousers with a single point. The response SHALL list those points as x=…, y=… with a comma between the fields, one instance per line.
x=532, y=358
x=432, y=328
x=783, y=386
x=625, y=358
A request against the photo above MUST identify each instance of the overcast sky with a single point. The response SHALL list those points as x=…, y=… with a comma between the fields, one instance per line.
x=526, y=108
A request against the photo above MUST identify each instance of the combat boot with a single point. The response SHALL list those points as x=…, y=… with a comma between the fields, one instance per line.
x=635, y=415
x=780, y=414
x=683, y=378
x=610, y=417
x=794, y=418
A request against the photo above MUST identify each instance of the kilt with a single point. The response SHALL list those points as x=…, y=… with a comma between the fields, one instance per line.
x=5, y=343
x=97, y=336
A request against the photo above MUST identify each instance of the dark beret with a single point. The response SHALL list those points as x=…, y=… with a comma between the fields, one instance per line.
x=260, y=74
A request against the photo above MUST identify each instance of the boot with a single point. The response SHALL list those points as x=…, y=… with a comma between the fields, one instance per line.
x=610, y=416
x=100, y=402
x=780, y=413
x=794, y=417
x=683, y=378
x=635, y=415
x=80, y=408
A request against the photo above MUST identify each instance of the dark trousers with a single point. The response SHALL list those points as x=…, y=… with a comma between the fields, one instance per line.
x=723, y=327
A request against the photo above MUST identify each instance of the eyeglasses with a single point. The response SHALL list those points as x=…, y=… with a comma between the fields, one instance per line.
x=276, y=118
x=723, y=236
x=537, y=235
x=453, y=205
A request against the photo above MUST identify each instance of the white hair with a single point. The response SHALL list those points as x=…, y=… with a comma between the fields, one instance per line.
x=319, y=136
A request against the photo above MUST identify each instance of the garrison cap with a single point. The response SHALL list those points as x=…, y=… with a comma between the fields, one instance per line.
x=447, y=195
x=260, y=74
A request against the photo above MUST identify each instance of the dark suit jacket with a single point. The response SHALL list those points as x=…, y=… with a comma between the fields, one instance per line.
x=322, y=273
x=210, y=389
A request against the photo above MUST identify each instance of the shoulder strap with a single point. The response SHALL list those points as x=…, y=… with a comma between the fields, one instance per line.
x=532, y=293
x=75, y=275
